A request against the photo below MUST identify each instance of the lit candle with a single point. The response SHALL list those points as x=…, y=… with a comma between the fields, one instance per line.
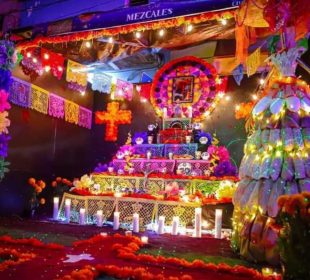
x=67, y=210
x=188, y=139
x=55, y=208
x=175, y=225
x=161, y=225
x=144, y=239
x=165, y=112
x=150, y=139
x=197, y=222
x=170, y=155
x=99, y=218
x=135, y=224
x=148, y=154
x=82, y=216
x=267, y=271
x=218, y=222
x=117, y=194
x=128, y=233
x=190, y=111
x=116, y=221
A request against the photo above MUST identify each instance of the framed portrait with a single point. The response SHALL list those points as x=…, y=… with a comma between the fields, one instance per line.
x=182, y=89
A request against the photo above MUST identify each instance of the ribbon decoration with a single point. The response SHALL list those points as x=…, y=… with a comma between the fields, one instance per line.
x=253, y=62
x=85, y=117
x=102, y=82
x=56, y=106
x=39, y=99
x=113, y=117
x=123, y=90
x=20, y=93
x=76, y=76
x=71, y=112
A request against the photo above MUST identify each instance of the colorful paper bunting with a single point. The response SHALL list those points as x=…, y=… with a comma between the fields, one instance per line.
x=85, y=117
x=253, y=62
x=31, y=96
x=20, y=93
x=53, y=61
x=102, y=82
x=123, y=90
x=39, y=99
x=238, y=74
x=56, y=107
x=71, y=112
x=76, y=76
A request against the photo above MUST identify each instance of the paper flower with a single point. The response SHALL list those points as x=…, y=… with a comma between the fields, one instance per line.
x=4, y=122
x=4, y=104
x=85, y=182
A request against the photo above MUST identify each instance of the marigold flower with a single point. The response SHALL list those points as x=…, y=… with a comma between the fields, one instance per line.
x=42, y=201
x=58, y=179
x=54, y=184
x=31, y=181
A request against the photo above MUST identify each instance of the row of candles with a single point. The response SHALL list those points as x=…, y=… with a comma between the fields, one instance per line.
x=136, y=220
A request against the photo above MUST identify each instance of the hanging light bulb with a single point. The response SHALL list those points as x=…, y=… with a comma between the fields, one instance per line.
x=110, y=40
x=227, y=98
x=138, y=88
x=224, y=21
x=46, y=56
x=161, y=32
x=88, y=44
x=138, y=34
x=59, y=68
x=221, y=94
x=237, y=107
x=34, y=60
x=261, y=81
x=28, y=54
x=83, y=93
x=47, y=68
x=189, y=28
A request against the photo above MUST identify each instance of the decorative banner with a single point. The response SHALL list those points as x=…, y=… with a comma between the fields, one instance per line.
x=238, y=74
x=85, y=117
x=144, y=90
x=253, y=62
x=145, y=78
x=123, y=90
x=52, y=61
x=20, y=93
x=39, y=99
x=102, y=82
x=56, y=106
x=71, y=112
x=112, y=118
x=75, y=74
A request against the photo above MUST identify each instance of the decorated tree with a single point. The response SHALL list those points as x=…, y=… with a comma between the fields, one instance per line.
x=276, y=159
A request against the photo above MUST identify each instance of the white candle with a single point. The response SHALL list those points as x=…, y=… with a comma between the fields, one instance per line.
x=135, y=224
x=175, y=226
x=99, y=218
x=116, y=221
x=67, y=210
x=150, y=139
x=148, y=154
x=218, y=222
x=128, y=233
x=144, y=239
x=82, y=216
x=55, y=208
x=170, y=155
x=197, y=222
x=190, y=111
x=161, y=225
x=165, y=112
x=188, y=138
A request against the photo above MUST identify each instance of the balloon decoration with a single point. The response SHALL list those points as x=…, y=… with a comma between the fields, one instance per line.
x=113, y=117
x=202, y=93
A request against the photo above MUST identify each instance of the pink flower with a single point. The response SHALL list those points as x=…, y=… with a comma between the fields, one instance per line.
x=223, y=153
x=212, y=150
x=4, y=104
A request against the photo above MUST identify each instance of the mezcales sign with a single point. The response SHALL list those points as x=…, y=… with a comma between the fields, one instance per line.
x=149, y=15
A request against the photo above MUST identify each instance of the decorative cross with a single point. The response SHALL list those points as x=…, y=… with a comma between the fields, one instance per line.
x=113, y=117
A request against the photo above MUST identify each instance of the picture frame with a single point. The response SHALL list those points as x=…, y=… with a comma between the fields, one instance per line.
x=183, y=89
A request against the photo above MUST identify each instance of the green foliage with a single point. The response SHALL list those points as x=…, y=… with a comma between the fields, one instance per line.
x=294, y=246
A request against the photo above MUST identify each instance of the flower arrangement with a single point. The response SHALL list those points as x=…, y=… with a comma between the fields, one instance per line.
x=61, y=185
x=12, y=257
x=294, y=235
x=37, y=187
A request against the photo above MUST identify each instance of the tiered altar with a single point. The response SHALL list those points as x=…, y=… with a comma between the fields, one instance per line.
x=167, y=172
